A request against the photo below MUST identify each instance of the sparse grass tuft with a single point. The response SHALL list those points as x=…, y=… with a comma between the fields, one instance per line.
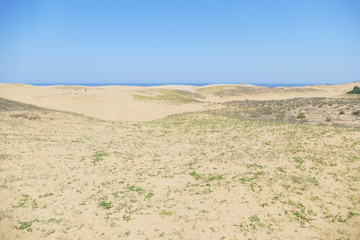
x=99, y=156
x=301, y=115
x=169, y=96
x=27, y=115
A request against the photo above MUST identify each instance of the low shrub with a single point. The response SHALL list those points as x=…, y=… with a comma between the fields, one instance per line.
x=356, y=90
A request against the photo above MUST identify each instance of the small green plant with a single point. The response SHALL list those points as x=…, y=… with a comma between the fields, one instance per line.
x=250, y=176
x=23, y=202
x=352, y=214
x=215, y=177
x=149, y=195
x=197, y=176
x=34, y=204
x=46, y=195
x=254, y=218
x=3, y=156
x=301, y=216
x=166, y=213
x=254, y=166
x=296, y=179
x=106, y=205
x=134, y=188
x=98, y=156
x=25, y=226
x=299, y=160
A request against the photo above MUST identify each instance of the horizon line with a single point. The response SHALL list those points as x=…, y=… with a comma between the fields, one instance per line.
x=181, y=84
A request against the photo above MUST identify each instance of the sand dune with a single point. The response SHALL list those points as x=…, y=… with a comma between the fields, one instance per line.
x=118, y=102
x=215, y=162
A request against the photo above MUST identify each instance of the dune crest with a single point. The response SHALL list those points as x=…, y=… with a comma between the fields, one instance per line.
x=133, y=103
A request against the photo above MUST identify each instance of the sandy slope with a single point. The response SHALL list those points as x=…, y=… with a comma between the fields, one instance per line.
x=63, y=176
x=118, y=103
x=110, y=103
x=247, y=170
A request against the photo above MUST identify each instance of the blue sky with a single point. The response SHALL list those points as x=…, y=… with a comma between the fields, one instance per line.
x=179, y=41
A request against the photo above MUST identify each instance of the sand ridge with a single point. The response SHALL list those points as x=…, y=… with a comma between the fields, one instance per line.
x=117, y=103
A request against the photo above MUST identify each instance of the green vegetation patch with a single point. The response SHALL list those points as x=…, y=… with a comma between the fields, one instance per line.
x=9, y=105
x=25, y=226
x=249, y=176
x=106, y=205
x=169, y=96
x=206, y=177
x=356, y=90
x=98, y=156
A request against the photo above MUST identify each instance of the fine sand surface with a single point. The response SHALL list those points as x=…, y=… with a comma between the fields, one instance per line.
x=119, y=103
x=179, y=162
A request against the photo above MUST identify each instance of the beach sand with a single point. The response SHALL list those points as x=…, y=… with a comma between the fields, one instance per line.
x=179, y=162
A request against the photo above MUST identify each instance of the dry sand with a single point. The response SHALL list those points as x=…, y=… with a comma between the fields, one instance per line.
x=179, y=162
x=117, y=103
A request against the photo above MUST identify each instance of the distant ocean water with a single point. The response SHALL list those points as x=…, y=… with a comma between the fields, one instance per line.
x=161, y=84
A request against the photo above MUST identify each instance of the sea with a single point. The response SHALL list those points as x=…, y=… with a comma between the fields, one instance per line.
x=271, y=85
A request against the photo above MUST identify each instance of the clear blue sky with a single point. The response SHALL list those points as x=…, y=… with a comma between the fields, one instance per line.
x=179, y=41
